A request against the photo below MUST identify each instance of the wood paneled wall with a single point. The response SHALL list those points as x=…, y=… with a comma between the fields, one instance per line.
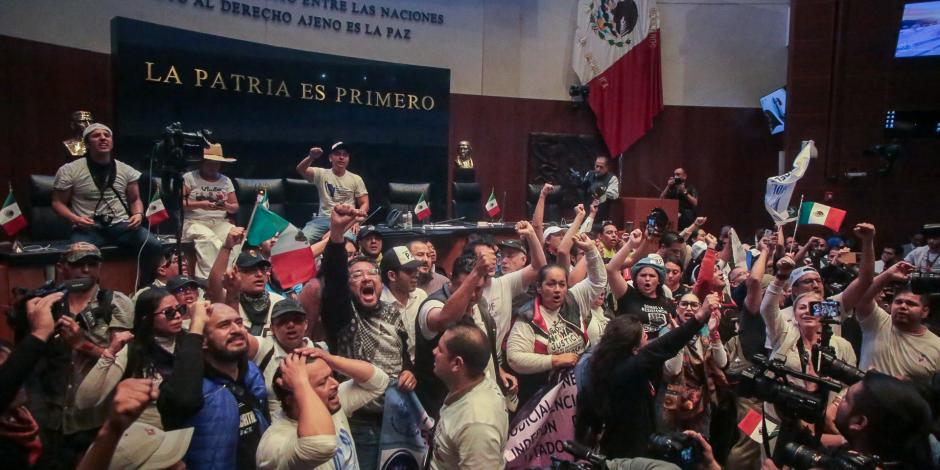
x=843, y=77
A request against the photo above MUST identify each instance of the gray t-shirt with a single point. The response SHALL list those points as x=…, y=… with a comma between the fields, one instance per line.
x=334, y=189
x=924, y=260
x=86, y=200
x=895, y=352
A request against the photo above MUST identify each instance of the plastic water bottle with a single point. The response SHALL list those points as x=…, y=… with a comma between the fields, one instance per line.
x=407, y=220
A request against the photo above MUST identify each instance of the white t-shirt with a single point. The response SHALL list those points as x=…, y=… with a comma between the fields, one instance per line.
x=498, y=299
x=409, y=312
x=267, y=344
x=896, y=352
x=281, y=449
x=76, y=177
x=471, y=431
x=201, y=189
x=334, y=189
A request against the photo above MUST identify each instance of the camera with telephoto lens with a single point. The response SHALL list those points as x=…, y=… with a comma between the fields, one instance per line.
x=678, y=448
x=789, y=400
x=831, y=366
x=801, y=456
x=17, y=316
x=177, y=149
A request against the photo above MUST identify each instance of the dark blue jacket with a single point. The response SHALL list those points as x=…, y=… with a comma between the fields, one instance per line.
x=213, y=410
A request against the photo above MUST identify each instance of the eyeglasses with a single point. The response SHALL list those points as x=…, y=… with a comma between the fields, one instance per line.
x=171, y=312
x=359, y=274
x=685, y=304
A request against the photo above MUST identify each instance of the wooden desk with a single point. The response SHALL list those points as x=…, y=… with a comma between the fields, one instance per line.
x=448, y=240
x=636, y=210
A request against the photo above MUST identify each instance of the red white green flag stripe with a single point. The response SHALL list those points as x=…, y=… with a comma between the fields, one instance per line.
x=492, y=207
x=11, y=218
x=422, y=210
x=814, y=213
x=156, y=212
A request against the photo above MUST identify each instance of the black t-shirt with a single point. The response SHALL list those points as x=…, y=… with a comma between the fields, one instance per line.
x=653, y=313
x=249, y=430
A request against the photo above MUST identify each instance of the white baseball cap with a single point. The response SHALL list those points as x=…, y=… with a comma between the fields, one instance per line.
x=148, y=447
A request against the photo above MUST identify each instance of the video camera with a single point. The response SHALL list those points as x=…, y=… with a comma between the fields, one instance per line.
x=796, y=447
x=678, y=448
x=17, y=317
x=589, y=460
x=177, y=149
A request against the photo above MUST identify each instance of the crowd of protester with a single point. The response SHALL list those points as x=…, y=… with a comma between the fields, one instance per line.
x=236, y=371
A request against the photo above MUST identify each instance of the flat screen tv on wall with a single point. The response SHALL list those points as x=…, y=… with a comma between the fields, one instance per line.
x=920, y=30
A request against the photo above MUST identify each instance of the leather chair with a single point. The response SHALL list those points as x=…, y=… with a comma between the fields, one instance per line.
x=404, y=196
x=552, y=201
x=467, y=201
x=44, y=223
x=246, y=191
x=303, y=201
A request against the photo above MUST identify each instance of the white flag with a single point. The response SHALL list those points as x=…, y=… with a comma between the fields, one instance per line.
x=780, y=188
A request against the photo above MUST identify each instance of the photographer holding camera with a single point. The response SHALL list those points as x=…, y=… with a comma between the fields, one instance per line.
x=898, y=342
x=100, y=196
x=677, y=188
x=887, y=417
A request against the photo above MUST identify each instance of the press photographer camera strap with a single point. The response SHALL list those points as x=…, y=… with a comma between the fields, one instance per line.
x=104, y=176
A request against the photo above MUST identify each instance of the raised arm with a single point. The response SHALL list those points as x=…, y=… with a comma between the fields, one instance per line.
x=585, y=292
x=538, y=215
x=303, y=168
x=618, y=285
x=537, y=261
x=804, y=250
x=770, y=305
x=898, y=272
x=564, y=247
x=336, y=302
x=459, y=301
x=215, y=289
x=866, y=267
x=754, y=278
x=689, y=231
x=652, y=357
x=181, y=393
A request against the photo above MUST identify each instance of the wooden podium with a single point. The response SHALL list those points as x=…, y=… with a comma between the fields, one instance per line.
x=636, y=209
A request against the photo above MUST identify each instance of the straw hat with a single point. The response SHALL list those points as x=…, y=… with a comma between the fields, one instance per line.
x=214, y=153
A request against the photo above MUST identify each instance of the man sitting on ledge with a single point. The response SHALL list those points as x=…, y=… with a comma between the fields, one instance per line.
x=100, y=196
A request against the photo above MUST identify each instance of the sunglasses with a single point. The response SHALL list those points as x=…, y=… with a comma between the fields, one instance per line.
x=171, y=312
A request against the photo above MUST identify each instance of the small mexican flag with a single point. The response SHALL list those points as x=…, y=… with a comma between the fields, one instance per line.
x=156, y=212
x=11, y=218
x=492, y=207
x=291, y=258
x=817, y=214
x=422, y=210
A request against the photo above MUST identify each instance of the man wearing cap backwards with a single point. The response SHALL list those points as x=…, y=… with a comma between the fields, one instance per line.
x=400, y=271
x=289, y=325
x=100, y=197
x=335, y=186
x=370, y=242
x=359, y=325
x=243, y=286
x=96, y=318
x=428, y=280
x=313, y=430
x=208, y=196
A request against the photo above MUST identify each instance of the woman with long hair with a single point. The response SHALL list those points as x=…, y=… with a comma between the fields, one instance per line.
x=158, y=321
x=617, y=401
x=690, y=393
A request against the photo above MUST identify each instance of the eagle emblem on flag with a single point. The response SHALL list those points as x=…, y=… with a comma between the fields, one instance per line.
x=613, y=20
